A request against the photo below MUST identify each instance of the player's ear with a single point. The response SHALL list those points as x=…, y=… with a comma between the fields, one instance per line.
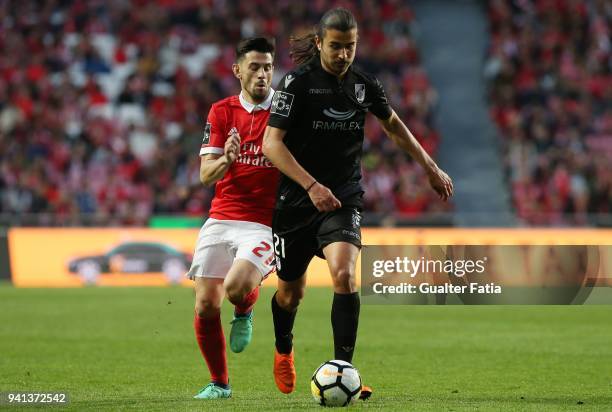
x=236, y=70
x=318, y=42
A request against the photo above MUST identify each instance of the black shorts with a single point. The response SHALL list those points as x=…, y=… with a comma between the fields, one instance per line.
x=302, y=233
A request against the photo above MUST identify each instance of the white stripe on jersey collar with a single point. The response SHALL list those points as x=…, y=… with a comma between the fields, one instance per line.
x=265, y=105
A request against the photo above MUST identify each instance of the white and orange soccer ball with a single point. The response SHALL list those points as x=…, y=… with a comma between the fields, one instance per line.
x=335, y=383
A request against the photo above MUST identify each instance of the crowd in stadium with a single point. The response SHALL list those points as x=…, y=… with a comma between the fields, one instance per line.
x=550, y=77
x=102, y=104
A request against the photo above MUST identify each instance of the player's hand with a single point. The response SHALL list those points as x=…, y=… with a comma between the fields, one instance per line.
x=232, y=145
x=441, y=183
x=323, y=198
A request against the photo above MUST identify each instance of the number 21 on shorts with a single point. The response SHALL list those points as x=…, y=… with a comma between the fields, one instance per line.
x=279, y=250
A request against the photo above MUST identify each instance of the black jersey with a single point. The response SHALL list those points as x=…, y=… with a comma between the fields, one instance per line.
x=324, y=118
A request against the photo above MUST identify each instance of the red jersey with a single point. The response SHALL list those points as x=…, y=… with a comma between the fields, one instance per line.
x=247, y=191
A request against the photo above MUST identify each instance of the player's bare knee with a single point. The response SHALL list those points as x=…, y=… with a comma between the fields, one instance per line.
x=235, y=291
x=344, y=280
x=236, y=294
x=289, y=299
x=206, y=308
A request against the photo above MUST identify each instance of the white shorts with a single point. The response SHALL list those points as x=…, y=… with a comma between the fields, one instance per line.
x=222, y=241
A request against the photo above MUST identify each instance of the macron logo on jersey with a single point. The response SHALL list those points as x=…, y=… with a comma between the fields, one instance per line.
x=288, y=80
x=338, y=115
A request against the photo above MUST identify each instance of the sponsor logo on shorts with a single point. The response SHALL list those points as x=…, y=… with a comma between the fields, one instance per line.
x=351, y=233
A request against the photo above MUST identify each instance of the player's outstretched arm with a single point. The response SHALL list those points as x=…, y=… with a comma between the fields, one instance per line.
x=397, y=131
x=276, y=151
x=214, y=166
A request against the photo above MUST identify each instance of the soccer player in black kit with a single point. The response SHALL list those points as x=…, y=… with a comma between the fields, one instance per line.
x=315, y=138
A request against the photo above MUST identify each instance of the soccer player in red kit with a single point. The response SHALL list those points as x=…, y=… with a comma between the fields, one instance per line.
x=234, y=251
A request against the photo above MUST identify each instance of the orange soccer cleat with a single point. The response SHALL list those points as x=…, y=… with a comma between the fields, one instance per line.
x=366, y=392
x=284, y=371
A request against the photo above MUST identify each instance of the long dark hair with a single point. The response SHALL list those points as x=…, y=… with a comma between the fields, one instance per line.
x=301, y=49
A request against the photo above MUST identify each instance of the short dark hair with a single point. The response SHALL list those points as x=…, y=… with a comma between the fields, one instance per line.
x=259, y=44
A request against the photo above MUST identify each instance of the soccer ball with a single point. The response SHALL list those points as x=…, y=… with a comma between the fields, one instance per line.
x=335, y=383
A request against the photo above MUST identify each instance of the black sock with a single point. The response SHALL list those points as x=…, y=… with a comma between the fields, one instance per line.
x=283, y=325
x=345, y=319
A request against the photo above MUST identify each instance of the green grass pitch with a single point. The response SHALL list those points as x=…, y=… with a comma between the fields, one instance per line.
x=134, y=349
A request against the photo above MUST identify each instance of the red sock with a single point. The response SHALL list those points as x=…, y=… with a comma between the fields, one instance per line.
x=211, y=340
x=248, y=302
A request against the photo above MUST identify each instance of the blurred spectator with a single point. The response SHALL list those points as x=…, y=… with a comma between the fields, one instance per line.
x=549, y=68
x=102, y=103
